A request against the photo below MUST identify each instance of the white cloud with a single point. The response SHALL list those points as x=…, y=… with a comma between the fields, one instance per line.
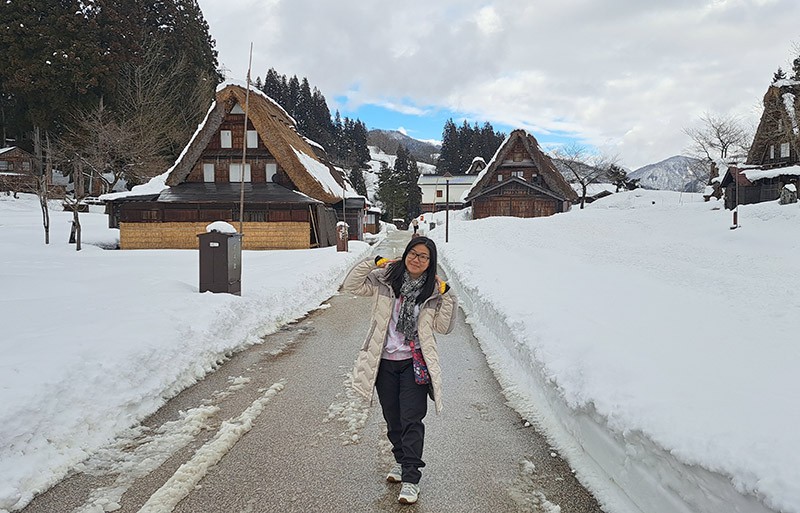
x=488, y=21
x=623, y=72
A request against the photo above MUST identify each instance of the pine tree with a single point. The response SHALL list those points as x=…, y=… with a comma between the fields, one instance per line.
x=390, y=191
x=447, y=160
x=361, y=156
x=293, y=96
x=414, y=193
x=778, y=75
x=272, y=85
x=357, y=180
x=796, y=69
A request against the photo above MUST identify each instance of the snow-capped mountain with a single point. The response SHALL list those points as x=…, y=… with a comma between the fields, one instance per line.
x=678, y=173
x=387, y=141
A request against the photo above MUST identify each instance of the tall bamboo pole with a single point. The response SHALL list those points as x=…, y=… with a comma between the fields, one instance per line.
x=244, y=143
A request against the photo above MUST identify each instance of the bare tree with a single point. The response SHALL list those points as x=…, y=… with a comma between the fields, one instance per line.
x=41, y=173
x=718, y=136
x=581, y=166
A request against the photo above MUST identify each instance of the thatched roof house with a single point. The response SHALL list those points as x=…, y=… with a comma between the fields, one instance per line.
x=289, y=185
x=519, y=181
x=477, y=165
x=774, y=155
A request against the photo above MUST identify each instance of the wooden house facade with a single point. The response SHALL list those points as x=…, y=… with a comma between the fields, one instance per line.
x=16, y=170
x=519, y=181
x=774, y=157
x=289, y=187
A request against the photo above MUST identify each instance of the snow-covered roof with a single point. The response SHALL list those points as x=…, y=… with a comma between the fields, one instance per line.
x=9, y=148
x=758, y=174
x=320, y=172
x=454, y=180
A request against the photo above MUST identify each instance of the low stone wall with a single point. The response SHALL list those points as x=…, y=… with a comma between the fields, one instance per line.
x=274, y=235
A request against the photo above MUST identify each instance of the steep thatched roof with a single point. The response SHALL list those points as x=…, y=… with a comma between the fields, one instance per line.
x=298, y=157
x=547, y=170
x=781, y=103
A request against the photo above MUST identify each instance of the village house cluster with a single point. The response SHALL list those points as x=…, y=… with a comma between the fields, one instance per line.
x=294, y=196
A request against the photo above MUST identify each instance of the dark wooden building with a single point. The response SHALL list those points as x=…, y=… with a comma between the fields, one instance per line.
x=16, y=170
x=774, y=157
x=289, y=186
x=519, y=181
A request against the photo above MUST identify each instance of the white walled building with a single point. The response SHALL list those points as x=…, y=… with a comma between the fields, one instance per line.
x=434, y=191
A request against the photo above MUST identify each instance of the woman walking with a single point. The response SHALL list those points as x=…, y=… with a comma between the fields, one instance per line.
x=399, y=359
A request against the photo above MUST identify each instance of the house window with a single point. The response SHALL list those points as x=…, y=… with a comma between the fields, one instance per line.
x=771, y=151
x=517, y=174
x=5, y=165
x=208, y=172
x=225, y=139
x=237, y=109
x=780, y=125
x=499, y=178
x=252, y=139
x=438, y=193
x=236, y=173
x=272, y=170
x=784, y=149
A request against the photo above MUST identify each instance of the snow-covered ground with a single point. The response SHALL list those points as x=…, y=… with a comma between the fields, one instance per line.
x=79, y=327
x=657, y=347
x=654, y=345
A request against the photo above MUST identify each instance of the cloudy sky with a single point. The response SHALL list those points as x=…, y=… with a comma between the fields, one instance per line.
x=622, y=76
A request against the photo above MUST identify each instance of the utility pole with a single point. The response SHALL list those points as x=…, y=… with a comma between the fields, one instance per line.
x=447, y=177
x=244, y=144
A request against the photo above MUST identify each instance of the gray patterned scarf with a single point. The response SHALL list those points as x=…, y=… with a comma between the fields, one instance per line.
x=407, y=323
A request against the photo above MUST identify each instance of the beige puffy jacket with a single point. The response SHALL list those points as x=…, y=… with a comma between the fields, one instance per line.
x=437, y=313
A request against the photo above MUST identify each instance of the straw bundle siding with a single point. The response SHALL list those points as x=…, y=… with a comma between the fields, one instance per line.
x=280, y=235
x=278, y=133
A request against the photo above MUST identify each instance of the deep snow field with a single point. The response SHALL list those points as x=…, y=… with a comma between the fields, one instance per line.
x=654, y=345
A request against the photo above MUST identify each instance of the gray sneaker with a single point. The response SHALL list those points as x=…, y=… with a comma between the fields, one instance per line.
x=396, y=474
x=408, y=494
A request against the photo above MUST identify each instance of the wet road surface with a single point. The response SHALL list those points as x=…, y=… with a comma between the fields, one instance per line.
x=288, y=435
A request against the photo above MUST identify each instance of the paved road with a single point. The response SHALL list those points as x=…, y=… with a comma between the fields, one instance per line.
x=276, y=429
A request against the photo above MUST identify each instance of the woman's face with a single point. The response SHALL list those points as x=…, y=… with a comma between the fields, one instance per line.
x=417, y=260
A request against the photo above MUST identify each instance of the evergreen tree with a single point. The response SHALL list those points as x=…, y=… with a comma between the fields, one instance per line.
x=778, y=75
x=361, y=156
x=390, y=191
x=293, y=96
x=322, y=129
x=796, y=69
x=338, y=137
x=357, y=180
x=448, y=158
x=414, y=193
x=272, y=85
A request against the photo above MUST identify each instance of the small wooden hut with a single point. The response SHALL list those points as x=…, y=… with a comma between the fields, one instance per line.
x=519, y=181
x=16, y=170
x=289, y=186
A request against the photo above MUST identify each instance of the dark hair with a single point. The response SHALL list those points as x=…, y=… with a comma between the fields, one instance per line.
x=397, y=270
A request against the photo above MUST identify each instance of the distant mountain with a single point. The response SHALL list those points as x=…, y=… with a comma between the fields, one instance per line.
x=678, y=173
x=387, y=141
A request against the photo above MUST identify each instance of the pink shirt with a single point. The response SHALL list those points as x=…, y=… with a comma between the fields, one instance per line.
x=396, y=347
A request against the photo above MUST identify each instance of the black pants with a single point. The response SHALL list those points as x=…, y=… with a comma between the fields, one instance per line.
x=404, y=405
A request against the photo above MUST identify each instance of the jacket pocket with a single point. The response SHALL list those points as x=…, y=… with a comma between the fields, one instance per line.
x=369, y=335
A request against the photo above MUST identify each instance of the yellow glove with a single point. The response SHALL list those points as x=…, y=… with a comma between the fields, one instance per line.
x=443, y=287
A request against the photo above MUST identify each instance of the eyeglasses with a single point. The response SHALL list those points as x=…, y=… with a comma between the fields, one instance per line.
x=422, y=257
